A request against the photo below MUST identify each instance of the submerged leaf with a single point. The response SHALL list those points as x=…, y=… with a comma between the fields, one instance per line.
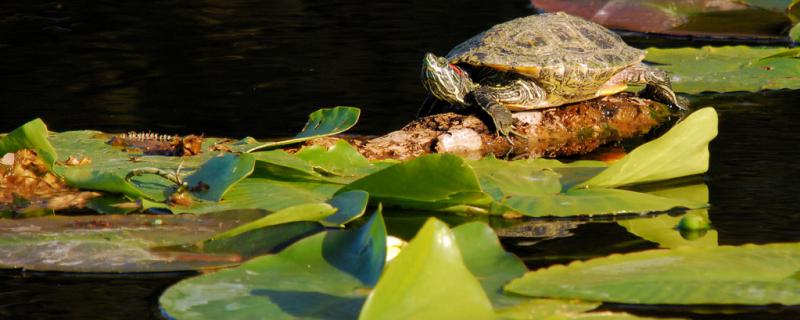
x=427, y=272
x=685, y=275
x=114, y=243
x=727, y=69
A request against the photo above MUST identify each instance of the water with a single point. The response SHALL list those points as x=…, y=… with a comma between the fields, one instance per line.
x=237, y=68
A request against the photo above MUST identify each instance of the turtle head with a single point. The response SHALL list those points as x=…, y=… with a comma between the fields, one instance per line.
x=444, y=80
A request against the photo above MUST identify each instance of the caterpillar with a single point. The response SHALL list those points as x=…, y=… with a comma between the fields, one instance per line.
x=151, y=143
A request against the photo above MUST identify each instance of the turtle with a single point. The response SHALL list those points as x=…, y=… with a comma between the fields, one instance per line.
x=540, y=61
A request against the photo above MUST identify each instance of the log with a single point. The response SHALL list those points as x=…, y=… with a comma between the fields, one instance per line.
x=569, y=130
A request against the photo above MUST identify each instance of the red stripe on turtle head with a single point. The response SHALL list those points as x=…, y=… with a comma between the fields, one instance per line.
x=456, y=69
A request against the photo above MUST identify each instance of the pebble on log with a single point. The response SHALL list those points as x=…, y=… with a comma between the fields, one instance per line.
x=573, y=129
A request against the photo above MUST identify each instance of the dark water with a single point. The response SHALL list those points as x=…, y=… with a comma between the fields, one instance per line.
x=236, y=68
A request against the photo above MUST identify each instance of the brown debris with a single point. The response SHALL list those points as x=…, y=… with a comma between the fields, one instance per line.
x=569, y=130
x=27, y=184
x=159, y=144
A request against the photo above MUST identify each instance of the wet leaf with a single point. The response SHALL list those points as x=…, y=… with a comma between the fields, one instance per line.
x=317, y=277
x=112, y=243
x=32, y=135
x=488, y=261
x=427, y=272
x=218, y=174
x=321, y=123
x=684, y=275
x=727, y=69
x=682, y=151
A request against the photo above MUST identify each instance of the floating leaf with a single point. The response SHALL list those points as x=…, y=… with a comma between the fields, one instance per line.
x=300, y=212
x=323, y=122
x=350, y=205
x=448, y=181
x=729, y=68
x=218, y=174
x=32, y=135
x=502, y=179
x=684, y=275
x=427, y=272
x=85, y=178
x=265, y=194
x=488, y=261
x=299, y=282
x=682, y=151
x=112, y=243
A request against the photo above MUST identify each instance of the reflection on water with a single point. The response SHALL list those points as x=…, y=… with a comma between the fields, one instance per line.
x=237, y=68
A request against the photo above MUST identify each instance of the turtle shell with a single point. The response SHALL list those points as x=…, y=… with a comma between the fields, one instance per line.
x=569, y=57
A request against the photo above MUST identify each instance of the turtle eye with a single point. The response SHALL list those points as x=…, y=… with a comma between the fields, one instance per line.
x=443, y=61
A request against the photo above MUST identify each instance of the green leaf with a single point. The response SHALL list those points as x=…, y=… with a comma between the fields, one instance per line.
x=502, y=179
x=219, y=174
x=32, y=135
x=300, y=212
x=265, y=194
x=448, y=181
x=299, y=282
x=428, y=272
x=559, y=309
x=794, y=34
x=596, y=201
x=113, y=243
x=488, y=261
x=86, y=178
x=684, y=275
x=260, y=241
x=341, y=159
x=535, y=309
x=682, y=151
x=321, y=123
x=727, y=69
x=349, y=205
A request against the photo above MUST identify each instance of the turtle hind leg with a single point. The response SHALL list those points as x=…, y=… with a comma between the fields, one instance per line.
x=657, y=84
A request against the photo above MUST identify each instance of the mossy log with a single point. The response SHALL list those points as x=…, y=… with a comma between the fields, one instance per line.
x=568, y=130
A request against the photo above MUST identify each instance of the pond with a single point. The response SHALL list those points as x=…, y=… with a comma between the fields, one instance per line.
x=238, y=68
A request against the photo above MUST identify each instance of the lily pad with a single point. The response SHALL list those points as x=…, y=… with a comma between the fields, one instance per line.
x=727, y=69
x=686, y=275
x=302, y=281
x=427, y=272
x=32, y=135
x=448, y=181
x=488, y=261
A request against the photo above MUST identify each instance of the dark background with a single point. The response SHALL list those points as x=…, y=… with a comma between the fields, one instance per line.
x=238, y=68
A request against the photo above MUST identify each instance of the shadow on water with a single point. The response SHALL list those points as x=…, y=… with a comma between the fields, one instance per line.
x=236, y=68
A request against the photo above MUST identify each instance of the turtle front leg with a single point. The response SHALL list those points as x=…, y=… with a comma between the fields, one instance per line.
x=494, y=99
x=657, y=84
